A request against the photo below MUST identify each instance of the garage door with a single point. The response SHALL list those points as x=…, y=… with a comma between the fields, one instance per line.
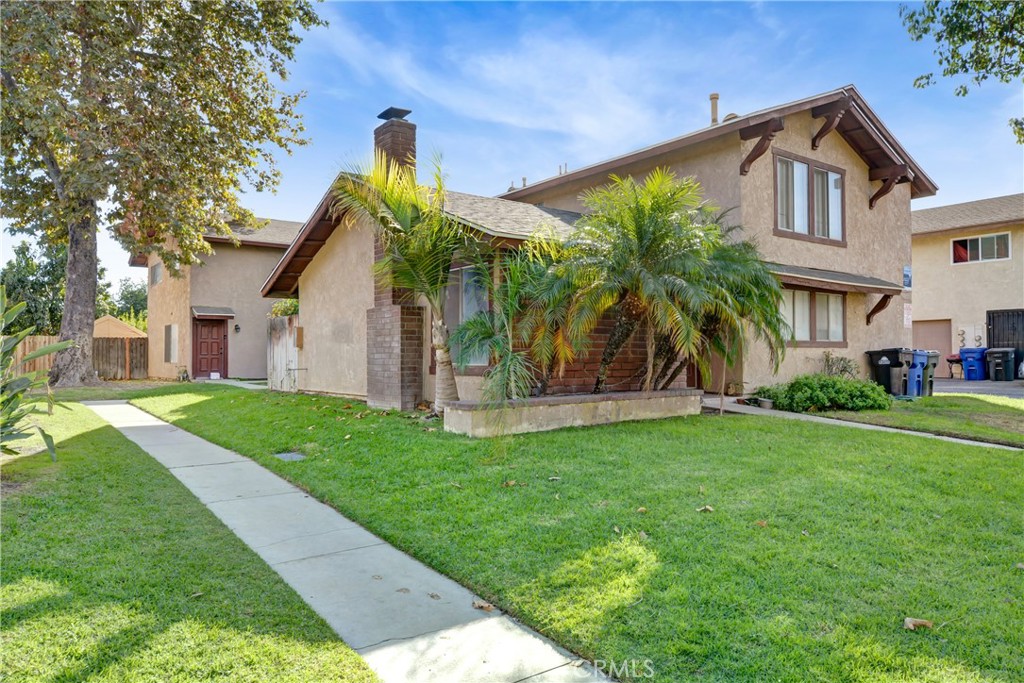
x=934, y=335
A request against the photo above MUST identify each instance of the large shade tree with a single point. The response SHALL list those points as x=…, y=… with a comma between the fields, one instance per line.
x=148, y=117
x=419, y=240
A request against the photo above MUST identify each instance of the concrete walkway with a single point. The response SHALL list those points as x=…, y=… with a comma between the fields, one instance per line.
x=732, y=407
x=1011, y=389
x=240, y=383
x=410, y=623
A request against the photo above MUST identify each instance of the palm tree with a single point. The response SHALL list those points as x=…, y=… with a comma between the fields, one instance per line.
x=642, y=251
x=419, y=241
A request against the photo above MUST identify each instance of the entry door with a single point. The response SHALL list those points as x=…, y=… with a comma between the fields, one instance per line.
x=210, y=348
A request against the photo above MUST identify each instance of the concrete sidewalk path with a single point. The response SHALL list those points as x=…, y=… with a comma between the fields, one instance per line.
x=713, y=402
x=410, y=623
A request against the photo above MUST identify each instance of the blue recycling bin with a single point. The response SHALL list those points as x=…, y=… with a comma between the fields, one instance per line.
x=916, y=362
x=974, y=363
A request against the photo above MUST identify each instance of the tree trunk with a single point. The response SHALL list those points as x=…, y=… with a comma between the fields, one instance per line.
x=445, y=389
x=680, y=366
x=651, y=348
x=623, y=330
x=73, y=366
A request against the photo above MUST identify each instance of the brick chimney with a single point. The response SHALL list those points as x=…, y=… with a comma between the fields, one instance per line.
x=394, y=326
x=396, y=137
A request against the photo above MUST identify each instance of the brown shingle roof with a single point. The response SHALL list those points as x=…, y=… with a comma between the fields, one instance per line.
x=1008, y=209
x=275, y=232
x=504, y=218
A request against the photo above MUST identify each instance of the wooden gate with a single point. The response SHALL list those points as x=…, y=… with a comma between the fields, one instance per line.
x=283, y=353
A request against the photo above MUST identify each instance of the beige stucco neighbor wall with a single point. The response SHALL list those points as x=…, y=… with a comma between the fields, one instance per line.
x=168, y=304
x=232, y=277
x=877, y=245
x=962, y=293
x=335, y=291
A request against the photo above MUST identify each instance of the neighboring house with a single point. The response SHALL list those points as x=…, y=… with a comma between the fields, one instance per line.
x=829, y=206
x=968, y=262
x=109, y=326
x=211, y=318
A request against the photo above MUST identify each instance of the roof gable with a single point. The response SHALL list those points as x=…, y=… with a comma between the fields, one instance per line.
x=858, y=124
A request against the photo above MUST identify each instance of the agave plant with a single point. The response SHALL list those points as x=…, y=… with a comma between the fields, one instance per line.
x=15, y=408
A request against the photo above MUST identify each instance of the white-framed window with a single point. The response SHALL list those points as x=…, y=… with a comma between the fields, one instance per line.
x=981, y=248
x=156, y=274
x=170, y=343
x=814, y=317
x=809, y=199
x=466, y=296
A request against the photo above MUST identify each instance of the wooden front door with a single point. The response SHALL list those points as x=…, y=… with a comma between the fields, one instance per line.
x=209, y=347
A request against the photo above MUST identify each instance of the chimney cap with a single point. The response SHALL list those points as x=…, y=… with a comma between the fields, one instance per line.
x=394, y=113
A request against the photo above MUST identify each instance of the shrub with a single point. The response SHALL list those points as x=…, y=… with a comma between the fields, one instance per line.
x=818, y=393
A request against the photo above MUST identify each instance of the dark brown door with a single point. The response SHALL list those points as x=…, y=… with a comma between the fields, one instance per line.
x=209, y=348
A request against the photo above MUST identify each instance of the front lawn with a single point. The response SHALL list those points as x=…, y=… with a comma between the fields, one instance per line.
x=822, y=539
x=994, y=419
x=113, y=571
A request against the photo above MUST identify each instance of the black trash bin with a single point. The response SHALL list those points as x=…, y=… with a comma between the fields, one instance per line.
x=928, y=385
x=1000, y=364
x=887, y=369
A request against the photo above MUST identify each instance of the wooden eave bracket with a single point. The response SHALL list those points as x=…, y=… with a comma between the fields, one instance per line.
x=882, y=304
x=766, y=132
x=832, y=113
x=890, y=176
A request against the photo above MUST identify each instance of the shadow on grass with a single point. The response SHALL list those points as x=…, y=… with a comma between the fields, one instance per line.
x=109, y=552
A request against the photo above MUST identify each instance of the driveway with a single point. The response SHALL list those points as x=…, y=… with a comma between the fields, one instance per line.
x=1014, y=389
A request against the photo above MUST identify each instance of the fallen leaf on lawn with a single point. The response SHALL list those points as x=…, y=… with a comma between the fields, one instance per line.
x=347, y=406
x=348, y=436
x=642, y=510
x=642, y=535
x=455, y=484
x=700, y=490
x=554, y=479
x=339, y=418
x=430, y=429
x=196, y=594
x=912, y=624
x=616, y=529
x=804, y=532
x=761, y=523
x=384, y=413
x=434, y=596
x=1019, y=565
x=484, y=605
x=309, y=428
x=509, y=483
x=706, y=508
x=403, y=590
x=558, y=497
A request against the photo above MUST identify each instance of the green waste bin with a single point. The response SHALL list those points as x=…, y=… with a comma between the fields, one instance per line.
x=1000, y=364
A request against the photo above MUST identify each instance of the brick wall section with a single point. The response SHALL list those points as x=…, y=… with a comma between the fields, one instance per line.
x=397, y=139
x=394, y=356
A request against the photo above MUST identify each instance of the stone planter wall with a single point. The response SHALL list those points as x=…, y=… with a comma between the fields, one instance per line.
x=578, y=410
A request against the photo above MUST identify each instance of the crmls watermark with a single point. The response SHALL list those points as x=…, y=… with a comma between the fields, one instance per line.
x=624, y=668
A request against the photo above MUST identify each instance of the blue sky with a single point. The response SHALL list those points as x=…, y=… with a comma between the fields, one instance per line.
x=506, y=90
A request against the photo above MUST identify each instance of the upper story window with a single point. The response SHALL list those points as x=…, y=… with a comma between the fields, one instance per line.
x=982, y=248
x=809, y=199
x=156, y=274
x=466, y=296
x=815, y=318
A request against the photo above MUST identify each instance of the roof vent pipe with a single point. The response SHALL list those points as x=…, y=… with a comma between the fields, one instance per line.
x=714, y=109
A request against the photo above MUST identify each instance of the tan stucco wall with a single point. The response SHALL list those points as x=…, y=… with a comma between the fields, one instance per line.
x=232, y=277
x=335, y=291
x=962, y=293
x=168, y=304
x=877, y=245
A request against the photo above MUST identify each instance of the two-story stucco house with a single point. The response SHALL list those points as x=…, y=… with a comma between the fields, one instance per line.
x=211, y=318
x=969, y=274
x=820, y=184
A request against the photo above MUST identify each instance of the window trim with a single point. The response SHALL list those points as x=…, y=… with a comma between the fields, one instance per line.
x=469, y=370
x=814, y=343
x=812, y=165
x=1009, y=248
x=156, y=274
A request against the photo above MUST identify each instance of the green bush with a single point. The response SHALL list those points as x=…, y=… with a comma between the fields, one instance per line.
x=819, y=393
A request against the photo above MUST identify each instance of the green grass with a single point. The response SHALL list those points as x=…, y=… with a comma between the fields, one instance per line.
x=821, y=541
x=993, y=419
x=113, y=571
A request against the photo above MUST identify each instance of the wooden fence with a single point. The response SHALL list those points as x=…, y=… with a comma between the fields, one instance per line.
x=112, y=357
x=283, y=342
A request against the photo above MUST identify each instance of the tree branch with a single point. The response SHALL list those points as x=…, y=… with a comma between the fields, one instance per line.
x=49, y=159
